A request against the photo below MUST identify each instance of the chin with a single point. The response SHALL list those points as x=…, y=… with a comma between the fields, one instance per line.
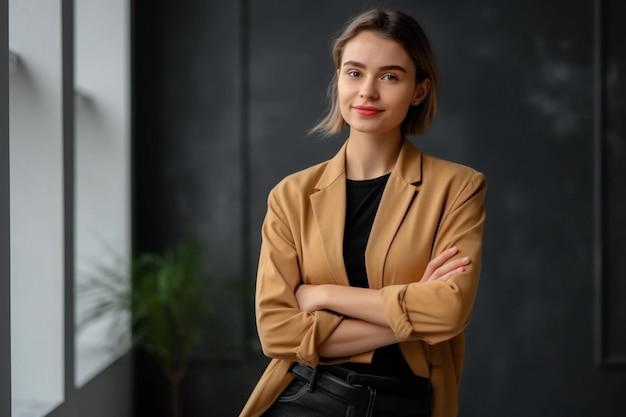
x=367, y=128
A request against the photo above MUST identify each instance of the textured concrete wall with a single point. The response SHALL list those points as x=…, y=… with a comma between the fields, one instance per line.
x=611, y=204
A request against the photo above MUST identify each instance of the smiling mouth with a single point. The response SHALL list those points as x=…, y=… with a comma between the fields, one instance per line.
x=367, y=110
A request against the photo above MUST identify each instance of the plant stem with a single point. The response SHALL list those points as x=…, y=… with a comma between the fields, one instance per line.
x=175, y=396
x=175, y=377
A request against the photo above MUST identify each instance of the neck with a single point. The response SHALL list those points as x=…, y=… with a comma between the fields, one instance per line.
x=371, y=156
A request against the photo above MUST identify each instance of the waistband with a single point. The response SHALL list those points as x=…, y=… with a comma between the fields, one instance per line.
x=373, y=393
x=415, y=385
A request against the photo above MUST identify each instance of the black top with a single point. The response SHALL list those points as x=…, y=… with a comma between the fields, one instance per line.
x=363, y=199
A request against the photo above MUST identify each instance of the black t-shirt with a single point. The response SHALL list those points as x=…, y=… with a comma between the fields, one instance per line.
x=363, y=199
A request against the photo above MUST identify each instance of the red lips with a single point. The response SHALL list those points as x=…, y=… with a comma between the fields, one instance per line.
x=367, y=110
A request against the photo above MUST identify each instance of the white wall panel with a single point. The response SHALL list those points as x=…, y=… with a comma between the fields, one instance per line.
x=102, y=164
x=36, y=207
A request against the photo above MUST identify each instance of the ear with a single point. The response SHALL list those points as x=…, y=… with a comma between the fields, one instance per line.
x=421, y=92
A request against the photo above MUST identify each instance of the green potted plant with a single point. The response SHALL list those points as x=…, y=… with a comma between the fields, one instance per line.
x=165, y=295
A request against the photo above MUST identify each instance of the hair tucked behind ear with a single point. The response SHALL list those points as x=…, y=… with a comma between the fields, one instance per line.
x=405, y=30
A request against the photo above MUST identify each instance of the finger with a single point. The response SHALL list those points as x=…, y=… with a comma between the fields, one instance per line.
x=440, y=259
x=437, y=262
x=449, y=266
x=445, y=255
x=452, y=273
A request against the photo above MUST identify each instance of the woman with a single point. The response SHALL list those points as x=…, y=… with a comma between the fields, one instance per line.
x=370, y=261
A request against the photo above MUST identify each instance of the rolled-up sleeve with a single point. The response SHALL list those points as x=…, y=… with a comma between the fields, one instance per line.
x=436, y=311
x=285, y=331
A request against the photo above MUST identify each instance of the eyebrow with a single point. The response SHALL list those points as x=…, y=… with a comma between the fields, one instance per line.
x=383, y=68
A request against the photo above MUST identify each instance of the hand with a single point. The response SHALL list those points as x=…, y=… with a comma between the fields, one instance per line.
x=441, y=268
x=309, y=297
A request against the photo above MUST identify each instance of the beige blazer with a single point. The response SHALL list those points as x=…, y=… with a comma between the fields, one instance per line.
x=428, y=206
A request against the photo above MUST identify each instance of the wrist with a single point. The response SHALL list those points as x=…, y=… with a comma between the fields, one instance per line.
x=322, y=299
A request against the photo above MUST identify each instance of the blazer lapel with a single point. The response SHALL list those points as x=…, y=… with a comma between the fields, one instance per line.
x=329, y=209
x=401, y=189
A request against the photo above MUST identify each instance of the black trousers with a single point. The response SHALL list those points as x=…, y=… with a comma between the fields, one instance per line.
x=336, y=392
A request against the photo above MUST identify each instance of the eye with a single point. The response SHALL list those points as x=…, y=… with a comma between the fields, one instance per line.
x=389, y=77
x=353, y=73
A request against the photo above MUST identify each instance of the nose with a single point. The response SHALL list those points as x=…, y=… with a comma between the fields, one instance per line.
x=368, y=88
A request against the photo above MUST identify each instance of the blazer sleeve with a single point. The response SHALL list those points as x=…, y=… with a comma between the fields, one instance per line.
x=285, y=331
x=436, y=311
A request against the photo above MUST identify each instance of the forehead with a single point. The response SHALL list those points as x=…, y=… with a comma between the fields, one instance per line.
x=372, y=49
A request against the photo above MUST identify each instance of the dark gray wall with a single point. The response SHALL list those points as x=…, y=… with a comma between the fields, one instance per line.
x=188, y=147
x=189, y=78
x=611, y=204
x=67, y=45
x=225, y=94
x=5, y=267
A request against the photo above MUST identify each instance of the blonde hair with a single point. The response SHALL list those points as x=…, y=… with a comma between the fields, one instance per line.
x=405, y=30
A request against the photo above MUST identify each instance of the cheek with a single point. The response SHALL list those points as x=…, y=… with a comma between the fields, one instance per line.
x=343, y=96
x=344, y=110
x=404, y=102
x=342, y=91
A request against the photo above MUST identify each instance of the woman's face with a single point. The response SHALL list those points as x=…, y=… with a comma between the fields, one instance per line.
x=376, y=84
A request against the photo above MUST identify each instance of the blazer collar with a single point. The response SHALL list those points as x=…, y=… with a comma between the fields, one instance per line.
x=409, y=163
x=329, y=208
x=408, y=166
